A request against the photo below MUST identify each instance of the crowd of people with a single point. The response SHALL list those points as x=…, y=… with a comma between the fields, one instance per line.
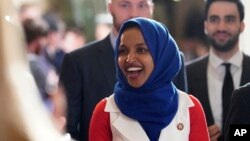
x=132, y=84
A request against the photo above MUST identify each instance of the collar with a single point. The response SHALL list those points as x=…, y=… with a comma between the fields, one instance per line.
x=112, y=39
x=235, y=60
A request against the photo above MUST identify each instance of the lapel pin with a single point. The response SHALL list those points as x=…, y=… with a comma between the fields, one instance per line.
x=180, y=126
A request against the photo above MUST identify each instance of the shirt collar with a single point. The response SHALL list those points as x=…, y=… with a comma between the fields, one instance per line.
x=235, y=60
x=112, y=39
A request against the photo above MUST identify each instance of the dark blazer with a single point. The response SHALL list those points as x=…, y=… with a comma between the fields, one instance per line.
x=239, y=112
x=88, y=75
x=197, y=82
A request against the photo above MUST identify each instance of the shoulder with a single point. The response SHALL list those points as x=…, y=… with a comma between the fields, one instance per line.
x=242, y=92
x=196, y=67
x=189, y=100
x=91, y=48
x=246, y=56
x=101, y=105
x=99, y=111
x=195, y=100
x=246, y=61
x=197, y=61
x=197, y=109
x=184, y=99
x=111, y=105
x=196, y=112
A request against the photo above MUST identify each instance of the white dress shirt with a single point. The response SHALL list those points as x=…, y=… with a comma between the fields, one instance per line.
x=112, y=39
x=215, y=75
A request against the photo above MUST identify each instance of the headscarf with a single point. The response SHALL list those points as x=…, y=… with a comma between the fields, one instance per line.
x=155, y=103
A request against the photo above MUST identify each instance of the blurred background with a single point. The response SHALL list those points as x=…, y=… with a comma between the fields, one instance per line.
x=183, y=17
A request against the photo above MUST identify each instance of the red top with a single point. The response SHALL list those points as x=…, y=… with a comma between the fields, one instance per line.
x=100, y=127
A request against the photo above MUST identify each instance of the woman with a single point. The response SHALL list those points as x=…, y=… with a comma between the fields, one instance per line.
x=145, y=104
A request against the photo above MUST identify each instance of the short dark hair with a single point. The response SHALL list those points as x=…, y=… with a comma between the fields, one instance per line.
x=239, y=4
x=34, y=29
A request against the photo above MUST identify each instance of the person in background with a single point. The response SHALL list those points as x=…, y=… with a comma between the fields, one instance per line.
x=239, y=112
x=146, y=105
x=52, y=51
x=74, y=38
x=88, y=74
x=103, y=25
x=213, y=77
x=29, y=11
x=35, y=30
x=52, y=96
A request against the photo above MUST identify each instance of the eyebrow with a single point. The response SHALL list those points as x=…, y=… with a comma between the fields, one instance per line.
x=139, y=44
x=230, y=16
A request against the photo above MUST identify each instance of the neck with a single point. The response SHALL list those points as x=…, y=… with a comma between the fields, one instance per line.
x=115, y=32
x=33, y=48
x=225, y=56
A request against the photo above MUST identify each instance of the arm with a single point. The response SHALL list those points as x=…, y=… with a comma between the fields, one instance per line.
x=198, y=126
x=99, y=129
x=70, y=80
x=40, y=77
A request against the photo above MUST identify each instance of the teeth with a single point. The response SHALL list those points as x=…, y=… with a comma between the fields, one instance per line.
x=134, y=69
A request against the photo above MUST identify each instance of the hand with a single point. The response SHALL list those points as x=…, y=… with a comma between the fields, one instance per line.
x=59, y=108
x=214, y=132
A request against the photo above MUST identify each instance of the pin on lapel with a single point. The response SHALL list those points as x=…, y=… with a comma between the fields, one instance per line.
x=180, y=126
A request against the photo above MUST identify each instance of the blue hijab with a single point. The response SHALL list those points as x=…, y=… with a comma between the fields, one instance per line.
x=155, y=103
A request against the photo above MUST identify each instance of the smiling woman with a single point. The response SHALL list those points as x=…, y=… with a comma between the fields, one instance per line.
x=146, y=104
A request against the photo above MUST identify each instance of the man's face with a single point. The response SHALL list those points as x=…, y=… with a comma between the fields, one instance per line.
x=223, y=25
x=122, y=10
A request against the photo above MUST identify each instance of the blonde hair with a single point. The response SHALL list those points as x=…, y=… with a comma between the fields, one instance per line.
x=23, y=116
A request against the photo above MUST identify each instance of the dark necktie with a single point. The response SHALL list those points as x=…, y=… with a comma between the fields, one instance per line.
x=227, y=90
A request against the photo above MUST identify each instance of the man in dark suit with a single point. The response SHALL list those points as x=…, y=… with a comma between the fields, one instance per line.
x=88, y=74
x=239, y=112
x=206, y=75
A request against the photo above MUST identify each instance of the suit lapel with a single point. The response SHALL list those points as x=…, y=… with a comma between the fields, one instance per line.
x=106, y=59
x=124, y=125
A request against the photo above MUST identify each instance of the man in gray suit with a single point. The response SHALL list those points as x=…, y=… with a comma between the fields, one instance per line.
x=88, y=74
x=223, y=25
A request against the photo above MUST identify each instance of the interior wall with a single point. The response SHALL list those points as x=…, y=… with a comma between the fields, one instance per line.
x=244, y=38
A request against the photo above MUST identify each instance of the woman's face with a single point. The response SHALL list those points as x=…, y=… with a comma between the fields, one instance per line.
x=134, y=57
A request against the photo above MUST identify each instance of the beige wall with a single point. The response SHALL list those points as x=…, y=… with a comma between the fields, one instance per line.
x=244, y=39
x=41, y=3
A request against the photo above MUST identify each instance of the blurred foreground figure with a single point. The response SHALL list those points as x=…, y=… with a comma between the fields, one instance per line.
x=23, y=116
